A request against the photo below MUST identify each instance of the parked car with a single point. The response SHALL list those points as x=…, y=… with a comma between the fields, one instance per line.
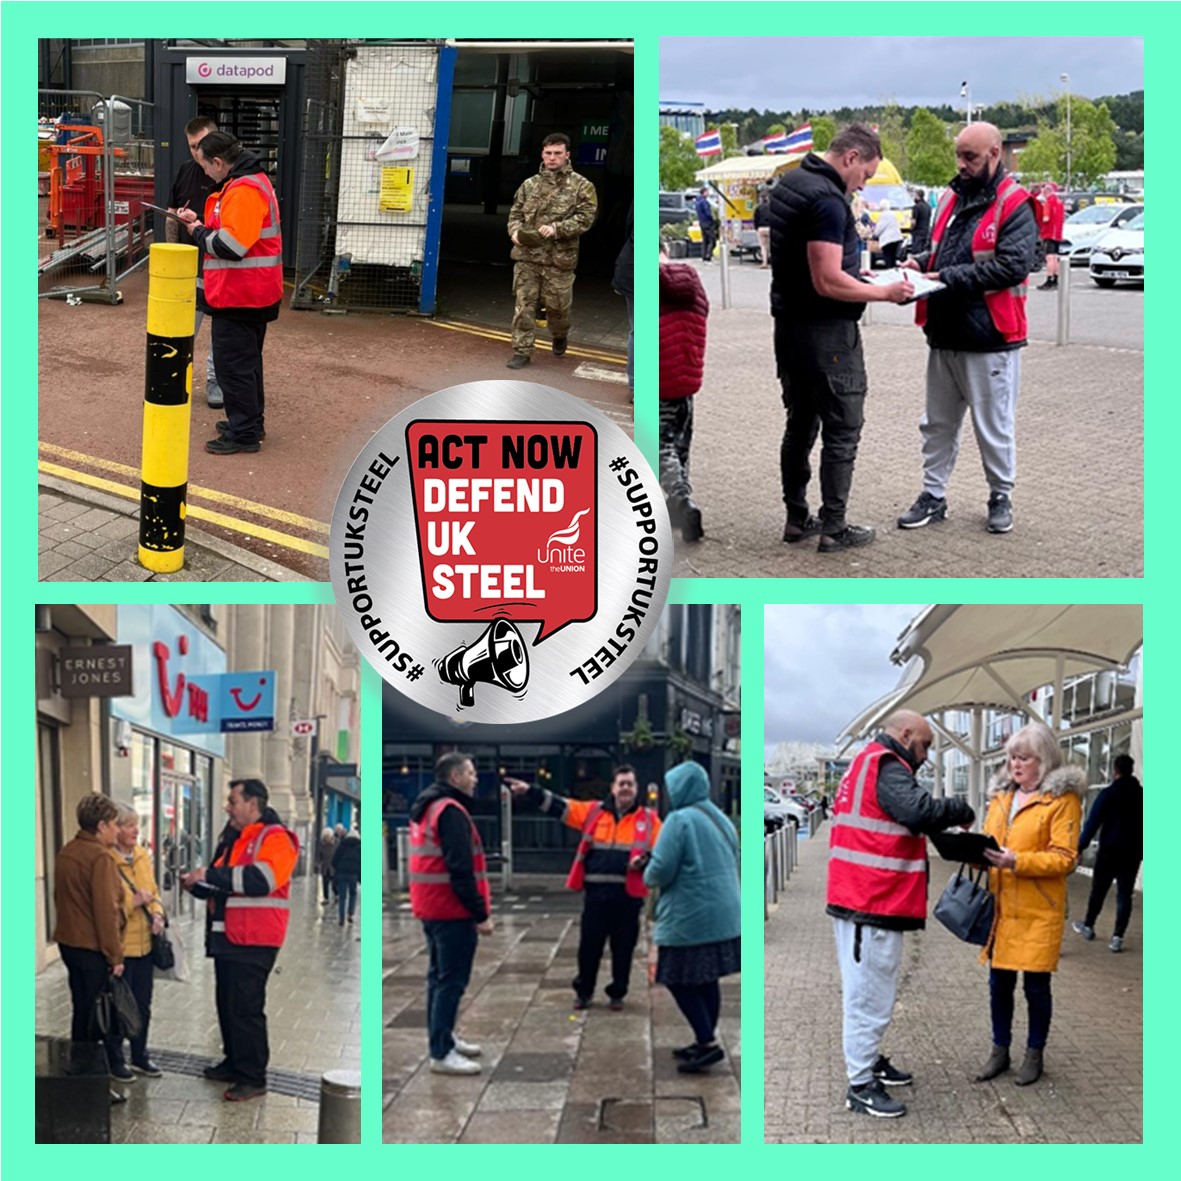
x=673, y=208
x=775, y=804
x=1074, y=201
x=1081, y=230
x=1118, y=255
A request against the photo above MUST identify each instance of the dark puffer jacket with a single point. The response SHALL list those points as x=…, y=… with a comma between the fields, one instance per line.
x=684, y=309
x=958, y=318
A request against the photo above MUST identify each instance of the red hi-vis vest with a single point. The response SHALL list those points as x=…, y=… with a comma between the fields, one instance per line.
x=255, y=278
x=875, y=865
x=642, y=840
x=1006, y=308
x=431, y=895
x=261, y=921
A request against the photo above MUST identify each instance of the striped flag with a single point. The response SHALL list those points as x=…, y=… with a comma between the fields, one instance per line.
x=799, y=140
x=709, y=144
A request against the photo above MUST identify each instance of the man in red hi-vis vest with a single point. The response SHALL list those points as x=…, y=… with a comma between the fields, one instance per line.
x=983, y=244
x=449, y=894
x=618, y=834
x=877, y=889
x=248, y=888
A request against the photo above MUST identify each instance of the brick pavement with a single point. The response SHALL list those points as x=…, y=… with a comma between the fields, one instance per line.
x=1078, y=505
x=1091, y=1091
x=90, y=536
x=550, y=1075
x=314, y=1019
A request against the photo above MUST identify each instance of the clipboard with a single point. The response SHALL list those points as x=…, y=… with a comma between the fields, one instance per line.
x=964, y=847
x=165, y=212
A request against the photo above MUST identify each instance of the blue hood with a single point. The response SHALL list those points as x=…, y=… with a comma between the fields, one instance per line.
x=687, y=784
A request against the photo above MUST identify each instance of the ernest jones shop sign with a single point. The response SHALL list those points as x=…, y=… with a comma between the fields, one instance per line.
x=253, y=71
x=100, y=671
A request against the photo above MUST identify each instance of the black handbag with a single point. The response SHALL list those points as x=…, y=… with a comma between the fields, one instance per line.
x=101, y=1017
x=128, y=1019
x=163, y=956
x=966, y=907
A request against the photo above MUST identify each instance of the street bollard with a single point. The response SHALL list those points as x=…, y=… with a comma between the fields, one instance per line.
x=168, y=381
x=1063, y=300
x=340, y=1107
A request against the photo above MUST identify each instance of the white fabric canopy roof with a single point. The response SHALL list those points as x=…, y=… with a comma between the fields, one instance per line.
x=756, y=169
x=958, y=657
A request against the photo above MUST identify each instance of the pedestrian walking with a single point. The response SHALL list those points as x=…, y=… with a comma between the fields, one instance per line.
x=618, y=833
x=817, y=298
x=877, y=891
x=982, y=251
x=325, y=851
x=247, y=888
x=698, y=911
x=449, y=893
x=920, y=223
x=888, y=234
x=707, y=223
x=143, y=917
x=684, y=319
x=346, y=872
x=1034, y=814
x=1116, y=820
x=1051, y=214
x=550, y=212
x=762, y=220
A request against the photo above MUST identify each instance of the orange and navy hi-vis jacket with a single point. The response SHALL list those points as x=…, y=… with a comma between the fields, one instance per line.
x=251, y=904
x=609, y=843
x=242, y=243
x=432, y=894
x=1005, y=308
x=876, y=866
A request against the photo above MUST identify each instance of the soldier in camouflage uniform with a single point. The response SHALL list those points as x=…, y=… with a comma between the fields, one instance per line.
x=550, y=212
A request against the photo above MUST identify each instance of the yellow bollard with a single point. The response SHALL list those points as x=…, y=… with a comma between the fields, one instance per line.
x=168, y=384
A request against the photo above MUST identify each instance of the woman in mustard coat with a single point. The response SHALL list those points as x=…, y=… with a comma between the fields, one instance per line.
x=1035, y=813
x=144, y=914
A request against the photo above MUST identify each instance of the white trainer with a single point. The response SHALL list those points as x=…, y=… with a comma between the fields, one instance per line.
x=467, y=1049
x=454, y=1064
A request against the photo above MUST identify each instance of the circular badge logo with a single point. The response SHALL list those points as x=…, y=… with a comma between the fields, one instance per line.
x=500, y=552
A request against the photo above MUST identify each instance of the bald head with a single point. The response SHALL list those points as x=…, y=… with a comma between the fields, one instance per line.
x=912, y=731
x=978, y=151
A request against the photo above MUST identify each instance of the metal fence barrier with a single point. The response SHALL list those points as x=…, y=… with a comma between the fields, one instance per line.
x=779, y=859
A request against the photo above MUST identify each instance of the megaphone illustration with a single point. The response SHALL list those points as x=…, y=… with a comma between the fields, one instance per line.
x=498, y=657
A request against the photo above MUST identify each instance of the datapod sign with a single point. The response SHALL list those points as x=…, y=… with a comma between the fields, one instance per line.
x=252, y=71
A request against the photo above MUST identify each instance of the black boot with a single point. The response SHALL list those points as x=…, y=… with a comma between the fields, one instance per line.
x=691, y=529
x=998, y=1062
x=1031, y=1068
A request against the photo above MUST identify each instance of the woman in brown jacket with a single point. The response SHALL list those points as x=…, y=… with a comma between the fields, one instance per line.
x=89, y=930
x=1034, y=812
x=143, y=917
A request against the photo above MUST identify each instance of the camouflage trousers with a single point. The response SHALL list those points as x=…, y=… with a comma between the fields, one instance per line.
x=676, y=436
x=540, y=287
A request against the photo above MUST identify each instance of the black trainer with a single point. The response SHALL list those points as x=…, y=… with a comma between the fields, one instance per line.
x=691, y=527
x=925, y=511
x=224, y=445
x=1000, y=513
x=889, y=1075
x=793, y=534
x=703, y=1059
x=558, y=348
x=519, y=361
x=873, y=1099
x=223, y=428
x=850, y=537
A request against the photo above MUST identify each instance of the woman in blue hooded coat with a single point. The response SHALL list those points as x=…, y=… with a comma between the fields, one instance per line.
x=698, y=914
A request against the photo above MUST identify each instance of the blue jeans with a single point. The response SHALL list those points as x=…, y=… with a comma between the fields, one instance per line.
x=452, y=946
x=346, y=887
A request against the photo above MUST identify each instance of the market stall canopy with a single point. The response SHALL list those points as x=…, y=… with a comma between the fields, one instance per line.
x=750, y=169
x=958, y=657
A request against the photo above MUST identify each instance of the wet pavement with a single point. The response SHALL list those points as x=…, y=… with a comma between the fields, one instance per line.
x=550, y=1075
x=314, y=1019
x=1092, y=1089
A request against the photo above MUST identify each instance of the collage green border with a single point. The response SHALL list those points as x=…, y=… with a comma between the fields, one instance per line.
x=22, y=23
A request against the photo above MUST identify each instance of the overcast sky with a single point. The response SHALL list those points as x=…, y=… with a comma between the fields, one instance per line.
x=789, y=73
x=822, y=665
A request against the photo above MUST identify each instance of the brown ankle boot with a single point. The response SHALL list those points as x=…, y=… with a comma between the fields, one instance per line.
x=998, y=1062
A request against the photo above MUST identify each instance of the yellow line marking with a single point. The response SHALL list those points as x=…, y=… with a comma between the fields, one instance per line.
x=235, y=502
x=506, y=337
x=193, y=510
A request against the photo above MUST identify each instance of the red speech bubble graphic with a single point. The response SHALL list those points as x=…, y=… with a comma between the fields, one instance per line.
x=507, y=520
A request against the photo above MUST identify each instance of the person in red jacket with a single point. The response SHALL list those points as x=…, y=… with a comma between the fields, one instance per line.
x=684, y=311
x=1051, y=214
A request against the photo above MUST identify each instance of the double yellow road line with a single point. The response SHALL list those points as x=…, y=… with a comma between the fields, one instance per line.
x=128, y=488
x=506, y=338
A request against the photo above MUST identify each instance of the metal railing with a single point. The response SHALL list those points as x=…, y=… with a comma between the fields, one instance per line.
x=779, y=859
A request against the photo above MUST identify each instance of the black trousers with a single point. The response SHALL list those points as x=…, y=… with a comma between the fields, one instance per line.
x=709, y=240
x=241, y=992
x=87, y=972
x=1113, y=867
x=607, y=916
x=237, y=356
x=890, y=254
x=822, y=372
x=137, y=971
x=700, y=1004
